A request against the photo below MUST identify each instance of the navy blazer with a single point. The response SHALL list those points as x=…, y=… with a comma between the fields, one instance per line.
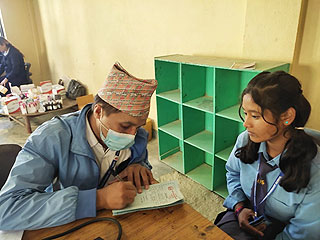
x=13, y=65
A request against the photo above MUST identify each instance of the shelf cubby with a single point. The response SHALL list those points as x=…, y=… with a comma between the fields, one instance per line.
x=231, y=113
x=198, y=100
x=169, y=119
x=224, y=139
x=225, y=153
x=175, y=161
x=198, y=126
x=219, y=178
x=201, y=96
x=227, y=96
x=198, y=165
x=168, y=73
x=171, y=152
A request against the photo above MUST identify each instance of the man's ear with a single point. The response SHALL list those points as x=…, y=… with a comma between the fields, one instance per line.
x=288, y=116
x=97, y=111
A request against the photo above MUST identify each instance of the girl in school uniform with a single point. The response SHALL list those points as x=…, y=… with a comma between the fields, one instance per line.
x=273, y=171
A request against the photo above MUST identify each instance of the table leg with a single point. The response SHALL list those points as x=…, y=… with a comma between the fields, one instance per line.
x=28, y=125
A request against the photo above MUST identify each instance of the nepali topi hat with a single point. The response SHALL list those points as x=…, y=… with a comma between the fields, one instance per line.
x=127, y=93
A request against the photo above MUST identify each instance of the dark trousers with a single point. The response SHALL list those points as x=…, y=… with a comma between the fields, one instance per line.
x=228, y=223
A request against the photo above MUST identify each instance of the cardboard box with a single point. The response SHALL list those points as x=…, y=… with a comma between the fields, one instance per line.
x=25, y=87
x=58, y=89
x=46, y=87
x=11, y=105
x=148, y=128
x=3, y=89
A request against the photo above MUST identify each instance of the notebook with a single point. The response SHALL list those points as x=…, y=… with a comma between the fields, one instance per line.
x=11, y=235
x=158, y=195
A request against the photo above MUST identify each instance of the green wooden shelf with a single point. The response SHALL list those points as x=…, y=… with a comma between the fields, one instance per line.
x=225, y=153
x=230, y=113
x=173, y=128
x=221, y=190
x=175, y=161
x=173, y=95
x=204, y=103
x=202, y=140
x=202, y=174
x=197, y=111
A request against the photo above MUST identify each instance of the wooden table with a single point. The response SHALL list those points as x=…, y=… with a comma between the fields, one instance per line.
x=67, y=103
x=173, y=223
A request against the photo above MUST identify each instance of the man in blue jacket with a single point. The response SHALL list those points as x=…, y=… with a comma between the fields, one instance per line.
x=12, y=68
x=83, y=152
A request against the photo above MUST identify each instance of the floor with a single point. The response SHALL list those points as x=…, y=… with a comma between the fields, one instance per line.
x=204, y=201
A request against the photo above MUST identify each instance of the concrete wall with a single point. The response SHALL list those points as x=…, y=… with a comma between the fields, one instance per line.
x=82, y=39
x=306, y=62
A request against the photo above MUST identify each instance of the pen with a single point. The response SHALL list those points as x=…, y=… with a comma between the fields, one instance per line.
x=110, y=170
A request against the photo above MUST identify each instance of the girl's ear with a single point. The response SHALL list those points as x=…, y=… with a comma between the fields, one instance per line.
x=288, y=116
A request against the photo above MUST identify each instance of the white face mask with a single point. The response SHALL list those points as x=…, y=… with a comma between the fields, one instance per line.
x=116, y=141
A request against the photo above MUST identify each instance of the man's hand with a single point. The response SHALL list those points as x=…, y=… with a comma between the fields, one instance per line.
x=135, y=173
x=243, y=219
x=116, y=195
x=4, y=82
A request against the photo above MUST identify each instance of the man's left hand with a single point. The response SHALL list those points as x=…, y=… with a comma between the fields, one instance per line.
x=4, y=82
x=136, y=173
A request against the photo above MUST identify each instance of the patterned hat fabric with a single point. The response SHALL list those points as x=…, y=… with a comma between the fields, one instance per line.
x=126, y=92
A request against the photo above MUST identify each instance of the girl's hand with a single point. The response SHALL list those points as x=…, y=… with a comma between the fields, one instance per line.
x=243, y=219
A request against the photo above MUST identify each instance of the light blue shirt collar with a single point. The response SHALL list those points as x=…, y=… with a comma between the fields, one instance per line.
x=263, y=149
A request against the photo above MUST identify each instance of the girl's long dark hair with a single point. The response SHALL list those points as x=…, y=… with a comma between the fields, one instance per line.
x=277, y=92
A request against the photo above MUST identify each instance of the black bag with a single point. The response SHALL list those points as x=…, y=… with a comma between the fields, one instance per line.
x=75, y=89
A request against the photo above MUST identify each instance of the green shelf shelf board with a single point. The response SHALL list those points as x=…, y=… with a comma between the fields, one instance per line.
x=224, y=63
x=225, y=153
x=230, y=113
x=173, y=95
x=221, y=190
x=169, y=153
x=202, y=174
x=175, y=161
x=204, y=103
x=202, y=140
x=173, y=128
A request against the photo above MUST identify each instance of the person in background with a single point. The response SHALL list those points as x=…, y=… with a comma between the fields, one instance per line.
x=12, y=69
x=273, y=171
x=84, y=151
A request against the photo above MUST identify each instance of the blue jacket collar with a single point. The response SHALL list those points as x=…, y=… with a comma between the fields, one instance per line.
x=79, y=142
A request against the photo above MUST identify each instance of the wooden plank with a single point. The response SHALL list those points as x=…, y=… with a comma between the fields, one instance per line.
x=174, y=223
x=84, y=100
